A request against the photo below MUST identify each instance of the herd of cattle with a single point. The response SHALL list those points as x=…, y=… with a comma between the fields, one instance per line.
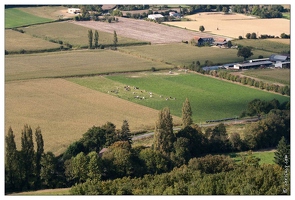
x=140, y=94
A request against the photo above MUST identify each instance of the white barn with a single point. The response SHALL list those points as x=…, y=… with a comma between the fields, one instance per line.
x=155, y=16
x=74, y=10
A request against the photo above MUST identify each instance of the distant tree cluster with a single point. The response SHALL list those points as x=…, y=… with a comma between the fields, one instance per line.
x=262, y=11
x=133, y=7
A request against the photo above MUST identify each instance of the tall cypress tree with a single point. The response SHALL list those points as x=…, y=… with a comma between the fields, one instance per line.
x=164, y=136
x=90, y=38
x=186, y=114
x=28, y=155
x=39, y=153
x=11, y=165
x=125, y=132
x=96, y=36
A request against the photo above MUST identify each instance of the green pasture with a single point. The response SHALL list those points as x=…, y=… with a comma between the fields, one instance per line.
x=74, y=34
x=16, y=41
x=287, y=15
x=185, y=54
x=73, y=63
x=16, y=18
x=266, y=157
x=264, y=44
x=210, y=98
x=271, y=75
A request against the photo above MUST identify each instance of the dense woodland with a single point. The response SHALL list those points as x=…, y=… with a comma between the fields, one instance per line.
x=178, y=162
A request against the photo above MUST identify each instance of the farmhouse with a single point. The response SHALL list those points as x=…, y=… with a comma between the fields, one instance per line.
x=252, y=65
x=220, y=42
x=202, y=40
x=174, y=14
x=155, y=16
x=74, y=10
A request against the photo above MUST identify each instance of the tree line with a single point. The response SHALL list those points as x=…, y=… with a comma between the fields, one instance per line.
x=105, y=153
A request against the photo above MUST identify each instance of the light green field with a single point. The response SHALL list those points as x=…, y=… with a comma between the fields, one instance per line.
x=58, y=191
x=185, y=54
x=16, y=41
x=266, y=157
x=73, y=34
x=271, y=75
x=50, y=12
x=84, y=62
x=15, y=18
x=264, y=44
x=210, y=98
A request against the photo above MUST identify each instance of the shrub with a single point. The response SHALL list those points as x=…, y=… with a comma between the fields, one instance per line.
x=240, y=37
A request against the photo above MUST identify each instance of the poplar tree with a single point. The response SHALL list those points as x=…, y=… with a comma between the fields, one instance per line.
x=96, y=36
x=39, y=153
x=90, y=38
x=115, y=39
x=27, y=153
x=11, y=165
x=164, y=136
x=186, y=114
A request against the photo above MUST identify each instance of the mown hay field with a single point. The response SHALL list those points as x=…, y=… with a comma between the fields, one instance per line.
x=16, y=41
x=234, y=25
x=50, y=12
x=185, y=54
x=65, y=111
x=266, y=45
x=210, y=98
x=73, y=63
x=74, y=34
x=15, y=18
x=282, y=76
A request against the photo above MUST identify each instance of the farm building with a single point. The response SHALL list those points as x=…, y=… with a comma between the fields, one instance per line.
x=220, y=42
x=212, y=68
x=277, y=57
x=252, y=65
x=74, y=10
x=174, y=14
x=202, y=40
x=280, y=64
x=155, y=16
x=229, y=65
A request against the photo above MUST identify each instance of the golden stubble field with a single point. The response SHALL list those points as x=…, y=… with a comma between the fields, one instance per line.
x=65, y=111
x=234, y=25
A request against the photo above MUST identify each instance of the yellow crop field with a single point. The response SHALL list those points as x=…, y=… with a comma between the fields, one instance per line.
x=65, y=110
x=234, y=25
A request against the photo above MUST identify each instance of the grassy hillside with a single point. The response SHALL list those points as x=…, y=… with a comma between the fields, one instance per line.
x=185, y=54
x=15, y=18
x=210, y=98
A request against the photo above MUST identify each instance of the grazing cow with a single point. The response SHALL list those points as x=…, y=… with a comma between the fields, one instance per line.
x=151, y=96
x=161, y=96
x=166, y=99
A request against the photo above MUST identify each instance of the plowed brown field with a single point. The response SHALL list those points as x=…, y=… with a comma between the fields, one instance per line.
x=144, y=30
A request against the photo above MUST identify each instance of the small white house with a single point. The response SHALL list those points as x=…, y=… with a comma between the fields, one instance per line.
x=155, y=16
x=74, y=10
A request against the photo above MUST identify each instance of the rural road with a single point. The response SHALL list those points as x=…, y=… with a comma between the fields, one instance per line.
x=138, y=137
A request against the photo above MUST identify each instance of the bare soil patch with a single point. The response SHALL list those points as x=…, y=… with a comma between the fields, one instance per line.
x=144, y=30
